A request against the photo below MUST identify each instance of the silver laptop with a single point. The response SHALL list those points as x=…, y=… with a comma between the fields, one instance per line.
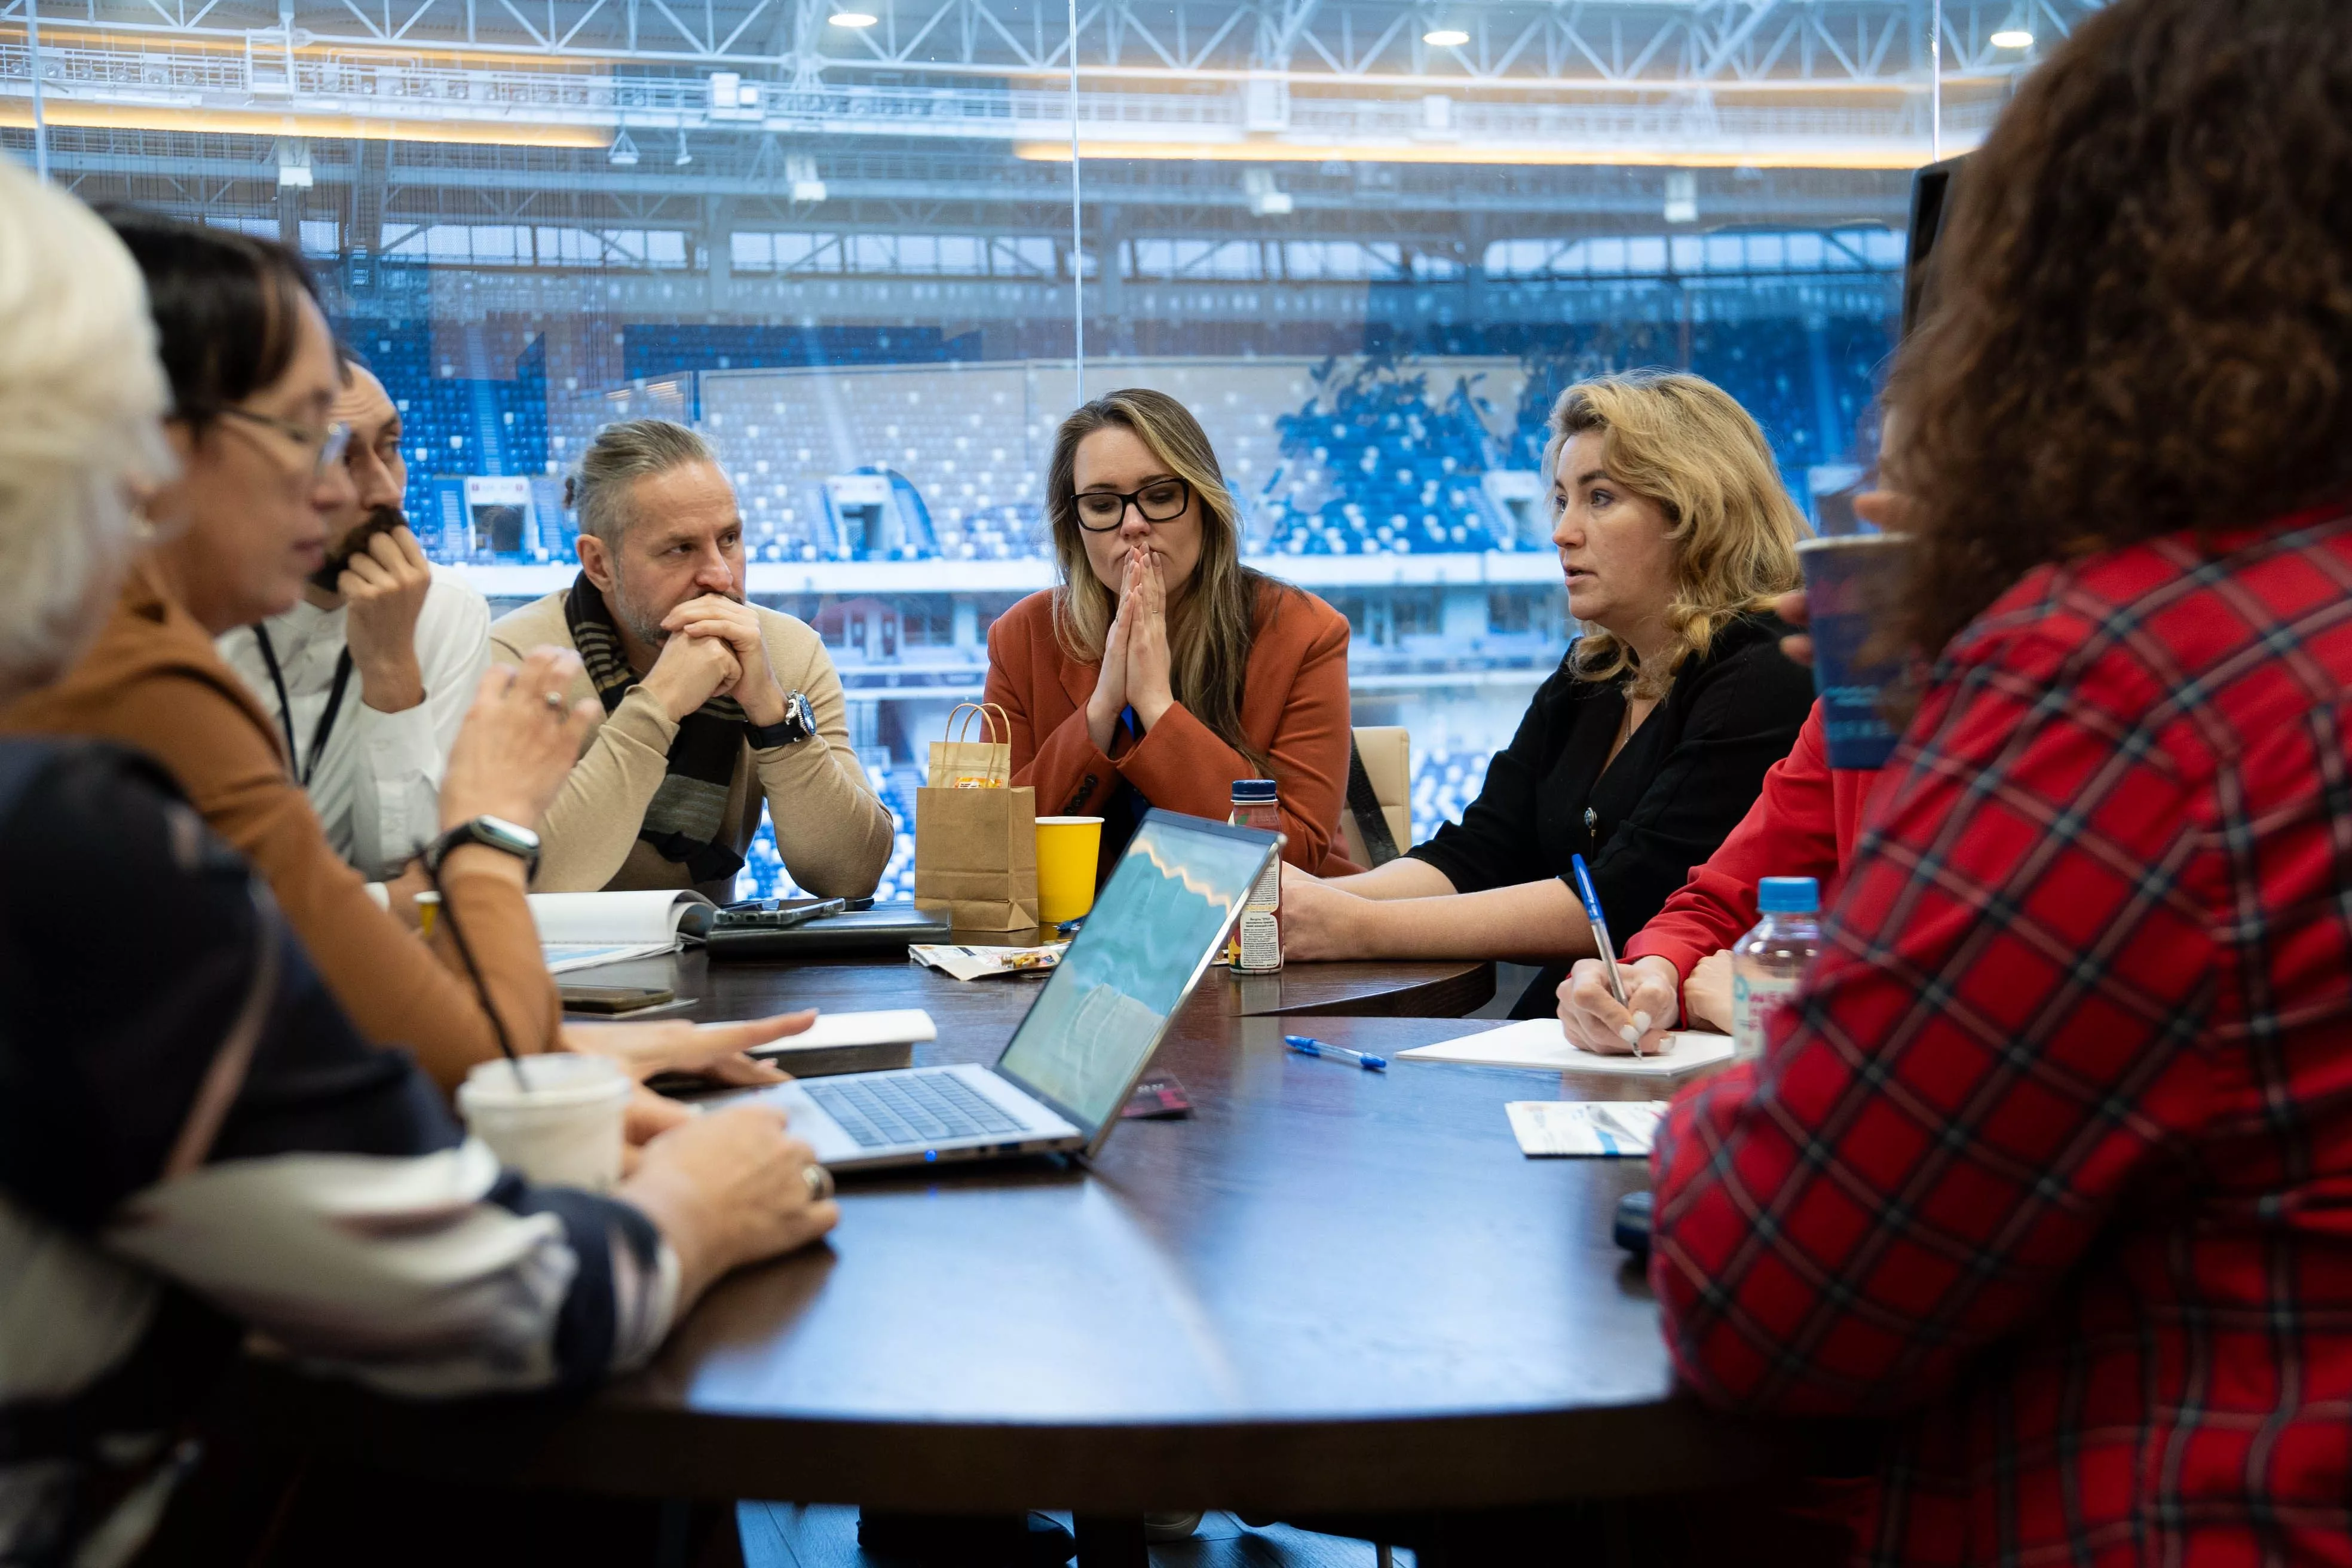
x=1085, y=1042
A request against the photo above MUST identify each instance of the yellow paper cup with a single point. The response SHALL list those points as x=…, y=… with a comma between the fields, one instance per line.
x=1067, y=850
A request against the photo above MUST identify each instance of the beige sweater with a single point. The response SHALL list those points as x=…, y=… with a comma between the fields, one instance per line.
x=831, y=829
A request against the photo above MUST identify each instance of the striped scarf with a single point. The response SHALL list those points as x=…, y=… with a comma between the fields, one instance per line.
x=689, y=814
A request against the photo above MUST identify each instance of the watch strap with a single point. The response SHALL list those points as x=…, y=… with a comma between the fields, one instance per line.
x=491, y=833
x=798, y=724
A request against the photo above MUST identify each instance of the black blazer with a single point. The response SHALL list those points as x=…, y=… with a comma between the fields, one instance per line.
x=1664, y=805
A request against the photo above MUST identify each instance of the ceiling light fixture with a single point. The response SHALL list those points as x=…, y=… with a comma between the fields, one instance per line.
x=624, y=151
x=1446, y=37
x=2012, y=38
x=851, y=19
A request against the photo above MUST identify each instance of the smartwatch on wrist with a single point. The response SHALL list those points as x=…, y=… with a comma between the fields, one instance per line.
x=798, y=724
x=495, y=832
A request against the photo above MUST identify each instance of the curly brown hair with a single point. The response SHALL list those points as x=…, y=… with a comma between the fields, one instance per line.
x=2143, y=312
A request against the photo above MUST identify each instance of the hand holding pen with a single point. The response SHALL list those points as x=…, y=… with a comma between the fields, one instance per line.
x=1588, y=1019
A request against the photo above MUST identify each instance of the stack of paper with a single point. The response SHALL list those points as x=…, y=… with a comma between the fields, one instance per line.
x=580, y=931
x=977, y=963
x=1600, y=1129
x=1539, y=1043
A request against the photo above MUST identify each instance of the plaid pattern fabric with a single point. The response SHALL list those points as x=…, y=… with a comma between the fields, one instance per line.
x=2053, y=1156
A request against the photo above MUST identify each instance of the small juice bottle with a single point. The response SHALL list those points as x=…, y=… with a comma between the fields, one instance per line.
x=1255, y=946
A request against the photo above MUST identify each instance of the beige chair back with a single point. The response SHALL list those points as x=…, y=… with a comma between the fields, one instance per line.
x=1387, y=753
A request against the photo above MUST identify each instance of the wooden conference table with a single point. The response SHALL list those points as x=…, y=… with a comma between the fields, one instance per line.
x=1326, y=1290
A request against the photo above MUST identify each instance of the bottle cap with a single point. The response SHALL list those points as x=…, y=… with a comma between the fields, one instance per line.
x=1253, y=792
x=1788, y=895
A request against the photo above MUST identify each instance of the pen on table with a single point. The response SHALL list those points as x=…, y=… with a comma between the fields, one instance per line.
x=1306, y=1046
x=1600, y=934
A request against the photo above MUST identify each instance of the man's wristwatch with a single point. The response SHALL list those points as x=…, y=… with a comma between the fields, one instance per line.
x=497, y=833
x=798, y=724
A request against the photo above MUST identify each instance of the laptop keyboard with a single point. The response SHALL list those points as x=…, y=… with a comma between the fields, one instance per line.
x=920, y=1108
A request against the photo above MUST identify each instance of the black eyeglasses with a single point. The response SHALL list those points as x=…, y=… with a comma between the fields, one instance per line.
x=1161, y=500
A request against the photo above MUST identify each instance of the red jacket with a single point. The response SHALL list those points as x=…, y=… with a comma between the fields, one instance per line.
x=2051, y=1154
x=1294, y=708
x=1802, y=825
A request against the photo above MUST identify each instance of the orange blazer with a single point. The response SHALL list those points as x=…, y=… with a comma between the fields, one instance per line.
x=1294, y=708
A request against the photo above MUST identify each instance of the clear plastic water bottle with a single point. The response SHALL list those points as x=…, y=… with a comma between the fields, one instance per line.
x=1767, y=963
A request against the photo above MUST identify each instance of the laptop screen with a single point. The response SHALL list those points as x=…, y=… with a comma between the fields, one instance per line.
x=1155, y=925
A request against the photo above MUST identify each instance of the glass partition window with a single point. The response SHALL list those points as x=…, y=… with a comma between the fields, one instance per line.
x=1367, y=243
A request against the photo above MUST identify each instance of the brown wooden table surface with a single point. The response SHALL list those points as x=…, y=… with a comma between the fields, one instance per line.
x=1440, y=989
x=1327, y=1290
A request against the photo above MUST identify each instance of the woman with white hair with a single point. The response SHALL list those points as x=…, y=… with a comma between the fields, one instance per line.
x=191, y=1131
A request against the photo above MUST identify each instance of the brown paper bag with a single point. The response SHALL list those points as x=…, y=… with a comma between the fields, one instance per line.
x=957, y=762
x=976, y=855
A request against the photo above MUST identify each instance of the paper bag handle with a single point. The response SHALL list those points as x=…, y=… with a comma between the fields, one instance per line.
x=990, y=716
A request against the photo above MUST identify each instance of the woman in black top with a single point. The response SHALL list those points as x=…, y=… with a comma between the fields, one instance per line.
x=1651, y=740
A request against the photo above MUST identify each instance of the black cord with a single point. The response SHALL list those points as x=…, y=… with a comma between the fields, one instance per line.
x=458, y=935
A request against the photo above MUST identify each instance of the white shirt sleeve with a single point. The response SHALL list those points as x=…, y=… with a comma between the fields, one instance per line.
x=396, y=801
x=392, y=1271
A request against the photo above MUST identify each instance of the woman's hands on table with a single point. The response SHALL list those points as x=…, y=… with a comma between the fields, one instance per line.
x=671, y=1045
x=1594, y=1021
x=1319, y=920
x=726, y=1189
x=1707, y=994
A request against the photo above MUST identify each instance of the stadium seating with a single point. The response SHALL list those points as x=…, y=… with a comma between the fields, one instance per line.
x=1444, y=783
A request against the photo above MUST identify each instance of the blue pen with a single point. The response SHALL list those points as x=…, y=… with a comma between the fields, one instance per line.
x=1306, y=1046
x=1600, y=932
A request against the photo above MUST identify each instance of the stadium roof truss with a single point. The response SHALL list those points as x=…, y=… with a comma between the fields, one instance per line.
x=1693, y=83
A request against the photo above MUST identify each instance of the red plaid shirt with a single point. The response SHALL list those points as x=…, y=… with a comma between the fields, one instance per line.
x=2054, y=1150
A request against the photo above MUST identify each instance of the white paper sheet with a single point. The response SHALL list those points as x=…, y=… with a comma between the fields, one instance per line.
x=565, y=957
x=888, y=1027
x=1539, y=1043
x=978, y=962
x=573, y=919
x=1606, y=1130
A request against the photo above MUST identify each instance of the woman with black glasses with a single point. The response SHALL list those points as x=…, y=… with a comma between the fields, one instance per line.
x=1162, y=670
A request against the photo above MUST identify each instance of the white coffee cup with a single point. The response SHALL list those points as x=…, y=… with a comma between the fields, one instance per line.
x=559, y=1126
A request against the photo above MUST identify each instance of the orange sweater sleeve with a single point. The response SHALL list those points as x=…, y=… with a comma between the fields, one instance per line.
x=396, y=989
x=1052, y=752
x=1183, y=765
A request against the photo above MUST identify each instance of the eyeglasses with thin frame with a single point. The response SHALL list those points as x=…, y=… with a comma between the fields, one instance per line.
x=325, y=445
x=1161, y=500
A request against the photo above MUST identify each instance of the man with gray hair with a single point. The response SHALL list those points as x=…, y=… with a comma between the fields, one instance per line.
x=712, y=703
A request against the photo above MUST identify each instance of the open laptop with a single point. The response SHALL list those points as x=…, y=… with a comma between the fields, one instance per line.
x=1083, y=1044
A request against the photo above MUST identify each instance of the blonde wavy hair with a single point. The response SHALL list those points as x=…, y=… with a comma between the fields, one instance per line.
x=1211, y=621
x=1685, y=445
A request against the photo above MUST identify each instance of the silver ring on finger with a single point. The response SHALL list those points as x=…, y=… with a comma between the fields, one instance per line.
x=819, y=1182
x=554, y=700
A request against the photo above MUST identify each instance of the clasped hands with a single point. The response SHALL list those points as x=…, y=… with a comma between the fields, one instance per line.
x=716, y=649
x=1136, y=669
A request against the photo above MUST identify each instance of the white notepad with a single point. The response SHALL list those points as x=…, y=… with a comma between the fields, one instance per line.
x=888, y=1027
x=581, y=930
x=1605, y=1130
x=1539, y=1043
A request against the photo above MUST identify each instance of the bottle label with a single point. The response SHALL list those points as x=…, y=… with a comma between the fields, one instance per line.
x=1261, y=944
x=1265, y=893
x=1754, y=999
